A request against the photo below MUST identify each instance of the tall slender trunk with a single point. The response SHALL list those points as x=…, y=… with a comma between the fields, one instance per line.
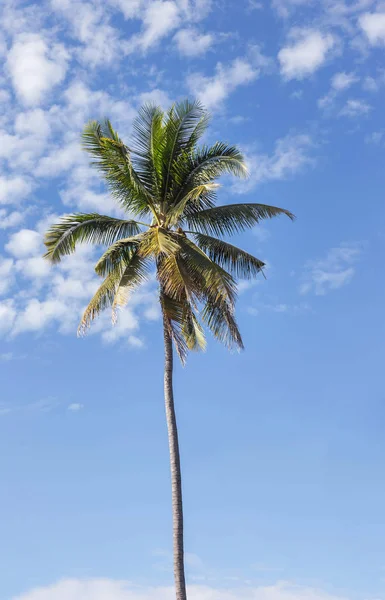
x=176, y=481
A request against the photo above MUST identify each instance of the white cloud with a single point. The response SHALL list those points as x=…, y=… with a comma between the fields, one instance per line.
x=192, y=43
x=6, y=274
x=291, y=155
x=9, y=220
x=89, y=25
x=105, y=589
x=343, y=81
x=373, y=25
x=214, y=90
x=35, y=67
x=160, y=18
x=14, y=189
x=24, y=243
x=355, y=108
x=332, y=272
x=285, y=7
x=339, y=83
x=129, y=8
x=75, y=407
x=155, y=96
x=307, y=52
x=8, y=314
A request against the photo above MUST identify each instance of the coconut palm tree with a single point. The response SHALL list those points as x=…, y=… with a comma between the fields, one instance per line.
x=167, y=185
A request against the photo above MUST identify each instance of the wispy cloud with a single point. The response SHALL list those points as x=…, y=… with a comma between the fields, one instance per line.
x=214, y=89
x=339, y=83
x=355, y=108
x=75, y=407
x=334, y=271
x=105, y=589
x=44, y=405
x=291, y=155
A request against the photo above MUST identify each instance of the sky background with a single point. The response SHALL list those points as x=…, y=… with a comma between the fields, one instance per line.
x=283, y=446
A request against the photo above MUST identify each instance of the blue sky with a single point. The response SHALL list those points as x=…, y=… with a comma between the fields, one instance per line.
x=283, y=445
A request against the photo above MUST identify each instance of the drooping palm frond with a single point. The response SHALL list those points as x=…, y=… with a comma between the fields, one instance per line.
x=102, y=299
x=239, y=263
x=121, y=250
x=184, y=326
x=219, y=318
x=232, y=218
x=61, y=239
x=135, y=273
x=211, y=278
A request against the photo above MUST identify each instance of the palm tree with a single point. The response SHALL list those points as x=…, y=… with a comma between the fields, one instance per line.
x=169, y=181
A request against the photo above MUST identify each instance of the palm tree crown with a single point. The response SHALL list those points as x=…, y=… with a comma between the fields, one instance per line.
x=167, y=184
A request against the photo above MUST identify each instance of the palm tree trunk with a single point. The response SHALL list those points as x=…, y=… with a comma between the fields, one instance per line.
x=176, y=481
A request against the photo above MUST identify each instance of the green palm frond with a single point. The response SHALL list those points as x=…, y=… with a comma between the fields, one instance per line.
x=232, y=218
x=184, y=124
x=123, y=249
x=61, y=239
x=135, y=273
x=238, y=262
x=209, y=277
x=148, y=146
x=113, y=160
x=205, y=165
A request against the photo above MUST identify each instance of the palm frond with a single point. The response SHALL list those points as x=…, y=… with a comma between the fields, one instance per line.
x=113, y=160
x=103, y=298
x=238, y=262
x=209, y=278
x=123, y=249
x=232, y=218
x=219, y=318
x=61, y=239
x=185, y=328
x=184, y=124
x=148, y=146
x=135, y=273
x=205, y=165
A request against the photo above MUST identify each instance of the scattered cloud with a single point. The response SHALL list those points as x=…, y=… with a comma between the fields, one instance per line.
x=339, y=83
x=375, y=138
x=215, y=89
x=355, y=108
x=291, y=154
x=13, y=189
x=160, y=18
x=75, y=407
x=192, y=43
x=36, y=66
x=24, y=243
x=285, y=7
x=105, y=589
x=373, y=25
x=307, y=51
x=332, y=272
x=10, y=220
